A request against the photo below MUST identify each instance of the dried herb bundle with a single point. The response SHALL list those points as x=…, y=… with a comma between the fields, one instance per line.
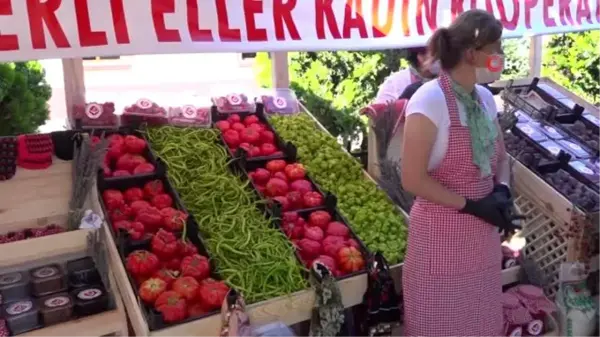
x=328, y=314
x=86, y=162
x=383, y=126
x=96, y=241
x=390, y=180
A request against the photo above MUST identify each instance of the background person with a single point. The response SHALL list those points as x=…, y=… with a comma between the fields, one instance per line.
x=455, y=163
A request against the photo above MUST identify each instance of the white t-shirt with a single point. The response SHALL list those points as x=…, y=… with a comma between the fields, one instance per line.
x=430, y=101
x=393, y=86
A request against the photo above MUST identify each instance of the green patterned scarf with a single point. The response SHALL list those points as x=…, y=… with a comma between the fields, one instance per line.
x=483, y=131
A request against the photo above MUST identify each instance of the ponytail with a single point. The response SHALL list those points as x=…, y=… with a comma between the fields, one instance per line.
x=441, y=48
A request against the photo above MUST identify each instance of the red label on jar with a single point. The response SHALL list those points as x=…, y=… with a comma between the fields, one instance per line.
x=45, y=272
x=144, y=103
x=535, y=327
x=234, y=99
x=93, y=111
x=10, y=278
x=58, y=301
x=189, y=111
x=280, y=102
x=89, y=294
x=19, y=307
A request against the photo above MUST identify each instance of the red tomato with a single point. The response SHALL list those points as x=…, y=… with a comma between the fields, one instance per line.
x=295, y=171
x=153, y=188
x=172, y=306
x=212, y=293
x=151, y=289
x=133, y=194
x=167, y=275
x=142, y=263
x=276, y=165
x=134, y=145
x=162, y=200
x=164, y=244
x=112, y=199
x=350, y=260
x=143, y=168
x=139, y=205
x=251, y=119
x=312, y=199
x=196, y=266
x=187, y=287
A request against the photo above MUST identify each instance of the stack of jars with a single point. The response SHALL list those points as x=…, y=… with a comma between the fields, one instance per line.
x=526, y=310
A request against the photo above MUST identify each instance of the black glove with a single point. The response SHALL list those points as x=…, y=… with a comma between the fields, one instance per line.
x=502, y=192
x=490, y=209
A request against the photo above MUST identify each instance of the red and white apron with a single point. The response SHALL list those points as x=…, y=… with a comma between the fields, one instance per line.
x=451, y=278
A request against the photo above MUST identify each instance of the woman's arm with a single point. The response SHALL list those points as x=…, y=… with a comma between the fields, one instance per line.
x=419, y=137
x=503, y=169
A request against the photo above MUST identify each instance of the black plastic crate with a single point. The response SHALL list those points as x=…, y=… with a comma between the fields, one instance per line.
x=284, y=147
x=147, y=153
x=243, y=167
x=574, y=183
x=567, y=121
x=137, y=181
x=153, y=317
x=561, y=156
x=335, y=216
x=545, y=157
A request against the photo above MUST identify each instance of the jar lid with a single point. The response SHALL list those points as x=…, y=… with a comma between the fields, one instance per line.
x=45, y=272
x=510, y=300
x=530, y=291
x=19, y=308
x=13, y=280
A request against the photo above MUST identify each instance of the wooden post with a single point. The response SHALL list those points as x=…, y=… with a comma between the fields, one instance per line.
x=280, y=71
x=535, y=56
x=74, y=83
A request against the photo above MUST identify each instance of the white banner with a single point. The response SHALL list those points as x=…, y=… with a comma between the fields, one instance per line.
x=38, y=29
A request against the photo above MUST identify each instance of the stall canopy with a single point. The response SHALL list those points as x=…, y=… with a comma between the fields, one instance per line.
x=38, y=29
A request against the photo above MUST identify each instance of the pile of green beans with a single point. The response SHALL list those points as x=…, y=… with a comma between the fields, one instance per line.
x=250, y=254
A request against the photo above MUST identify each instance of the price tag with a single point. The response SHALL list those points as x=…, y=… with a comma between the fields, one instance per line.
x=93, y=110
x=144, y=103
x=581, y=167
x=555, y=150
x=575, y=147
x=234, y=99
x=189, y=111
x=280, y=102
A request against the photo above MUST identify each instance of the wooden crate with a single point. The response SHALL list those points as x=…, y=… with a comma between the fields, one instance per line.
x=35, y=198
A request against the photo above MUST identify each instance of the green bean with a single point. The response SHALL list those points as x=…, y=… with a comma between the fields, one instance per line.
x=248, y=252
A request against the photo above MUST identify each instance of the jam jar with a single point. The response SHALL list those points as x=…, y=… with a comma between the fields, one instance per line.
x=48, y=279
x=82, y=272
x=56, y=308
x=21, y=316
x=537, y=304
x=90, y=300
x=14, y=286
x=515, y=315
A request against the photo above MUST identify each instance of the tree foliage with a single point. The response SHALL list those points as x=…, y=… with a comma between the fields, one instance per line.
x=24, y=95
x=335, y=85
x=573, y=61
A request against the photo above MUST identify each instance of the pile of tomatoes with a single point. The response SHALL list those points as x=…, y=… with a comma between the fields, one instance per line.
x=171, y=275
x=178, y=286
x=125, y=156
x=250, y=134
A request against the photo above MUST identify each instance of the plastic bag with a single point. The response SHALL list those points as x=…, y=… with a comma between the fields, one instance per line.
x=577, y=309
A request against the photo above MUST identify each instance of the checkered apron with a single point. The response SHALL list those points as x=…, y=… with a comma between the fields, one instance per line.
x=451, y=278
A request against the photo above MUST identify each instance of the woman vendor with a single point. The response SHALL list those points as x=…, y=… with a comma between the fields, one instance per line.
x=455, y=163
x=420, y=70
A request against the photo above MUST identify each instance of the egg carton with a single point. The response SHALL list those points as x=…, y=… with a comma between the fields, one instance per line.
x=547, y=242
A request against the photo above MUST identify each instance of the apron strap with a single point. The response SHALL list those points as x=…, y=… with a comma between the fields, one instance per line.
x=446, y=85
